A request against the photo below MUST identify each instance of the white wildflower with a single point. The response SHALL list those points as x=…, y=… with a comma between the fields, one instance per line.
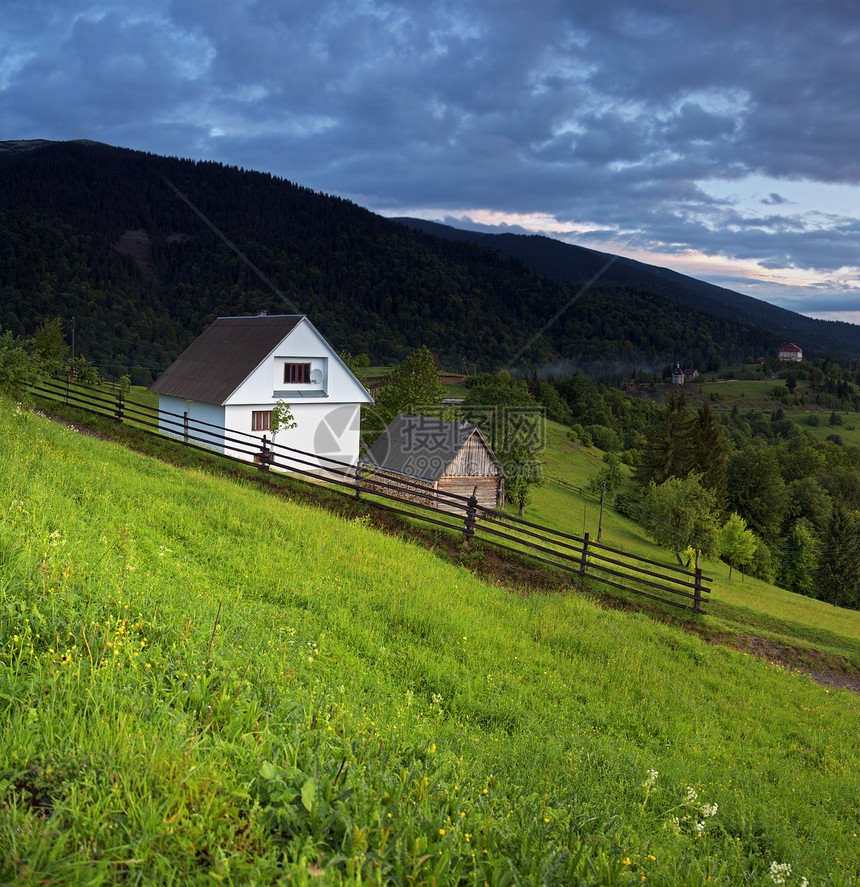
x=437, y=699
x=652, y=778
x=699, y=827
x=708, y=810
x=779, y=872
x=692, y=794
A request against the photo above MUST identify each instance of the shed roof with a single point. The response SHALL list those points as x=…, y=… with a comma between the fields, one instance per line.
x=216, y=363
x=422, y=447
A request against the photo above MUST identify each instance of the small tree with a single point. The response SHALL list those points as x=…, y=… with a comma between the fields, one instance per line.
x=49, y=346
x=414, y=384
x=679, y=513
x=524, y=472
x=610, y=475
x=736, y=543
x=282, y=418
x=16, y=364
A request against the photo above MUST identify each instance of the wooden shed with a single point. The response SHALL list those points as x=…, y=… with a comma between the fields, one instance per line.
x=442, y=455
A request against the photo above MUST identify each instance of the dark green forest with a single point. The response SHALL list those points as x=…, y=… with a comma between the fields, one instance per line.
x=576, y=265
x=98, y=234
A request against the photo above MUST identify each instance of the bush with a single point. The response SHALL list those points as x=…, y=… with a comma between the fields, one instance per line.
x=603, y=437
x=761, y=565
x=813, y=420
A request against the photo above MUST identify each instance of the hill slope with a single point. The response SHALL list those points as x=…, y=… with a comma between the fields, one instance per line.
x=202, y=682
x=99, y=234
x=576, y=265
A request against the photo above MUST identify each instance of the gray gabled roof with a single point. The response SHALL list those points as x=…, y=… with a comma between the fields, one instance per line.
x=421, y=447
x=215, y=364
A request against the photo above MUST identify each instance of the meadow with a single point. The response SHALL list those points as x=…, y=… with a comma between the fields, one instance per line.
x=201, y=682
x=737, y=606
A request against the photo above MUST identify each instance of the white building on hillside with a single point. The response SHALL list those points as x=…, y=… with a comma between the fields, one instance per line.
x=232, y=376
x=790, y=351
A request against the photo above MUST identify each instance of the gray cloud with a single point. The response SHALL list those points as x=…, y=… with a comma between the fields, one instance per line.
x=591, y=113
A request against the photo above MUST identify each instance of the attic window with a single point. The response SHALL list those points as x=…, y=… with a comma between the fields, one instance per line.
x=297, y=373
x=261, y=420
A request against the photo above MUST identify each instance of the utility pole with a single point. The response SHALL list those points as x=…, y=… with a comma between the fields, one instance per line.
x=600, y=522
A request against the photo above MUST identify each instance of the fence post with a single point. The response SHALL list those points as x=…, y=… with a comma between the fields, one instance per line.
x=697, y=589
x=584, y=554
x=357, y=480
x=185, y=427
x=471, y=511
x=68, y=385
x=265, y=456
x=119, y=410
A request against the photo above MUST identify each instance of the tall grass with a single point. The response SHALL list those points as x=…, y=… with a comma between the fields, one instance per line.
x=200, y=683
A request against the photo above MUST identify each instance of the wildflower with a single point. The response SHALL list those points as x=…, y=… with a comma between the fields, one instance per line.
x=804, y=882
x=437, y=699
x=779, y=871
x=692, y=794
x=699, y=827
x=652, y=778
x=708, y=810
x=441, y=831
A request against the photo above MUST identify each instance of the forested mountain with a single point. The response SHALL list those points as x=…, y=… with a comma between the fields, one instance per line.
x=100, y=234
x=575, y=265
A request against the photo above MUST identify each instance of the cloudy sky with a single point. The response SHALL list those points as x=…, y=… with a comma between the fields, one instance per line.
x=721, y=139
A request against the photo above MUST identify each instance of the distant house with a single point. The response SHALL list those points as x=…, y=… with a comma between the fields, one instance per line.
x=439, y=455
x=237, y=370
x=789, y=352
x=680, y=376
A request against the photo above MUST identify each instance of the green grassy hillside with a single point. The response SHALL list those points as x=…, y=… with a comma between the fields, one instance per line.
x=202, y=683
x=736, y=607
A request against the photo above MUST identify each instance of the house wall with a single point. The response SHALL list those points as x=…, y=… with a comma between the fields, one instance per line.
x=326, y=429
x=473, y=460
x=487, y=492
x=172, y=425
x=303, y=345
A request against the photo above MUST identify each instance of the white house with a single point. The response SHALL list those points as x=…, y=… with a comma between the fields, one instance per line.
x=229, y=379
x=789, y=351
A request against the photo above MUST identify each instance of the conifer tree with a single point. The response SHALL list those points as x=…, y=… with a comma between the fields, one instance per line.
x=797, y=565
x=709, y=453
x=668, y=451
x=838, y=574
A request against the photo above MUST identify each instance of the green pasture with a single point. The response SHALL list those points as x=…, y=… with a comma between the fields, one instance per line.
x=736, y=605
x=202, y=683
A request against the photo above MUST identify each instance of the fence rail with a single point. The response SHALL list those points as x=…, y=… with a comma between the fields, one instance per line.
x=579, y=556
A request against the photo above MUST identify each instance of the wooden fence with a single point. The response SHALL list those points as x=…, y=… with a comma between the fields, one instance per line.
x=579, y=556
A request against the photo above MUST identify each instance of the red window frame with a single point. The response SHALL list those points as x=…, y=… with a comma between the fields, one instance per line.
x=261, y=420
x=297, y=373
